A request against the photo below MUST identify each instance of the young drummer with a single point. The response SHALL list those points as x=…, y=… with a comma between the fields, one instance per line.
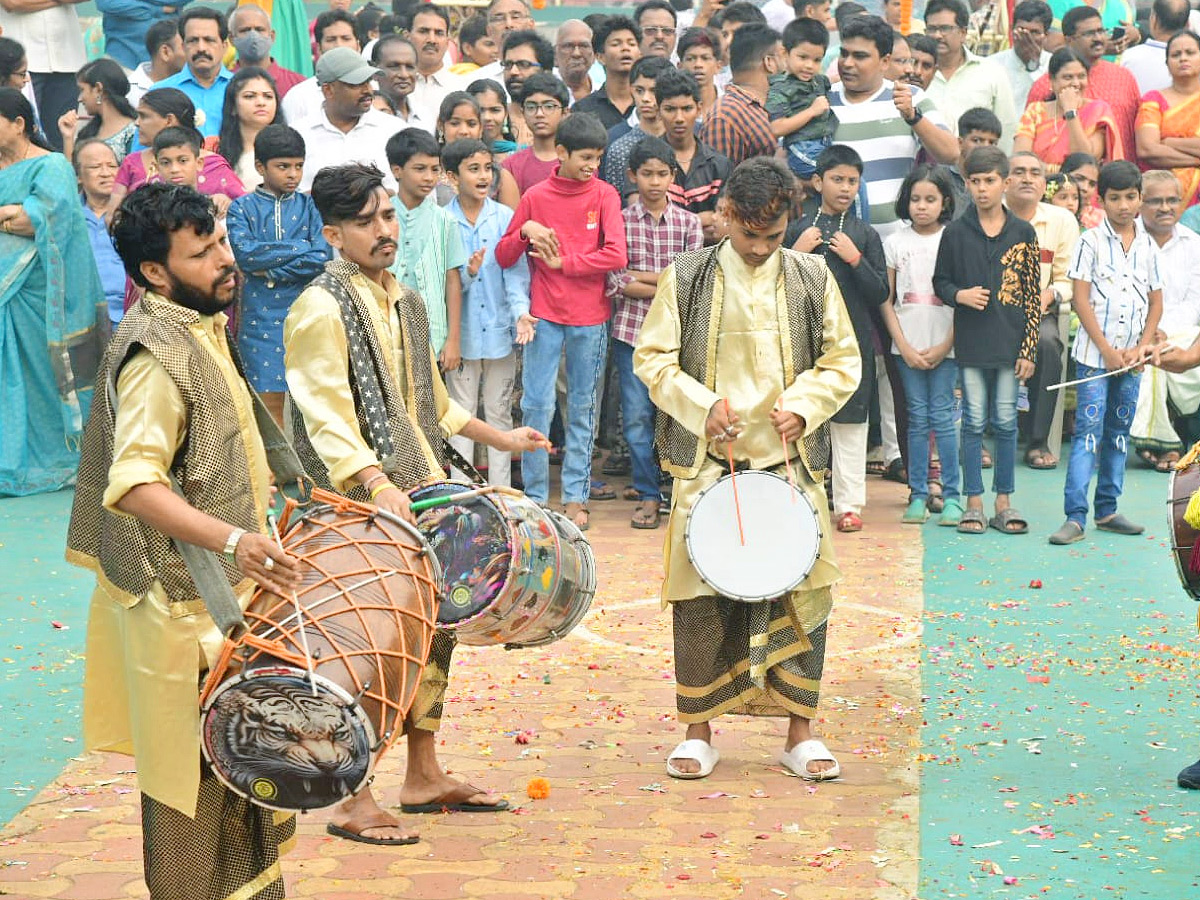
x=788, y=340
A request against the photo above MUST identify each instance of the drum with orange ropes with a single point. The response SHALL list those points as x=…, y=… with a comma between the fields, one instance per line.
x=1185, y=540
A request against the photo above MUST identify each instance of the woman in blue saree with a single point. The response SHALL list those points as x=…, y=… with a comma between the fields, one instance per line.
x=50, y=295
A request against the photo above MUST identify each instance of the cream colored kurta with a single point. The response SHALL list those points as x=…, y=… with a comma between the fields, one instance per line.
x=145, y=655
x=318, y=376
x=749, y=374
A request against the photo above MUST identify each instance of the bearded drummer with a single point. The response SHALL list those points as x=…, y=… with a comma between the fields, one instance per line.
x=182, y=409
x=748, y=348
x=371, y=416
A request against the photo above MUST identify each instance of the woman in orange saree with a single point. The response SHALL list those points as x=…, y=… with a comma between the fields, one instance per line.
x=1168, y=122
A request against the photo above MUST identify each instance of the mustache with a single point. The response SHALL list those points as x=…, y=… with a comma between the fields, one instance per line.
x=225, y=273
x=201, y=54
x=383, y=244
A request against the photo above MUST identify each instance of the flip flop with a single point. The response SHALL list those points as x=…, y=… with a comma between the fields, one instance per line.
x=797, y=759
x=1009, y=521
x=379, y=820
x=454, y=800
x=698, y=751
x=1189, y=778
x=1040, y=459
x=972, y=521
x=644, y=520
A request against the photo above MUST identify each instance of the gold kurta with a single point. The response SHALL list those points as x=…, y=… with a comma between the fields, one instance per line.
x=749, y=374
x=318, y=376
x=145, y=657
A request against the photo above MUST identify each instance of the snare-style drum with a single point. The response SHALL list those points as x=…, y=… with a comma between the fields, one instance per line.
x=513, y=573
x=1184, y=483
x=369, y=595
x=782, y=536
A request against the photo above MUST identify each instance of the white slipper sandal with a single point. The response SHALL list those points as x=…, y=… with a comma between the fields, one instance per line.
x=797, y=759
x=700, y=751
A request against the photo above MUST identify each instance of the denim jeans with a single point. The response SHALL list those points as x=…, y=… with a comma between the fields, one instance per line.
x=930, y=397
x=1103, y=414
x=988, y=394
x=585, y=347
x=638, y=413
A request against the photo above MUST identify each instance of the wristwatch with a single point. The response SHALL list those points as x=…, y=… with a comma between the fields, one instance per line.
x=231, y=543
x=1070, y=114
x=917, y=116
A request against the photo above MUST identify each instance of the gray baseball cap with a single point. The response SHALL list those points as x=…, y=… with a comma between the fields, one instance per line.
x=345, y=65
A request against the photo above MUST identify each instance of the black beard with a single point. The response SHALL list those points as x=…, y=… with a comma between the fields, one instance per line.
x=203, y=302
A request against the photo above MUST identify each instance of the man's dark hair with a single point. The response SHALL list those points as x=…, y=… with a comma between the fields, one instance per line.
x=676, y=84
x=204, y=12
x=935, y=175
x=750, y=46
x=144, y=222
x=432, y=9
x=341, y=192
x=581, y=131
x=456, y=152
x=847, y=11
x=278, y=142
x=1172, y=15
x=984, y=160
x=696, y=37
x=178, y=136
x=801, y=7
x=545, y=83
x=527, y=37
x=759, y=191
x=471, y=30
x=979, y=118
x=647, y=5
x=1118, y=175
x=649, y=148
x=961, y=15
x=329, y=17
x=1074, y=17
x=1033, y=11
x=161, y=33
x=387, y=39
x=873, y=29
x=805, y=31
x=652, y=67
x=367, y=20
x=923, y=43
x=743, y=11
x=404, y=145
x=610, y=26
x=839, y=155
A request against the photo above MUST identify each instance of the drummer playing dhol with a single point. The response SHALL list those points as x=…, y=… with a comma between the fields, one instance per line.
x=367, y=394
x=772, y=325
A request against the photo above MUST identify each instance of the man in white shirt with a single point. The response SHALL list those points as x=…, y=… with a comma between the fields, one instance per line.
x=430, y=34
x=1148, y=61
x=53, y=42
x=1161, y=393
x=504, y=16
x=1027, y=60
x=962, y=80
x=333, y=28
x=347, y=128
x=573, y=57
x=396, y=58
x=165, y=47
x=657, y=20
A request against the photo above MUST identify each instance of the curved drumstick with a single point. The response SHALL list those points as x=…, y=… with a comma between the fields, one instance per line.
x=737, y=506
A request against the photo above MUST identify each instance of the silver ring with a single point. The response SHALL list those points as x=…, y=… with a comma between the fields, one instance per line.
x=269, y=564
x=729, y=429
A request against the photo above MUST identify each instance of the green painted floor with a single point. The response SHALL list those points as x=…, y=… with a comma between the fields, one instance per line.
x=1057, y=718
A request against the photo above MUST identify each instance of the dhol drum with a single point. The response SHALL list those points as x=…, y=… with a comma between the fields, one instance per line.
x=289, y=739
x=781, y=529
x=513, y=573
x=1184, y=482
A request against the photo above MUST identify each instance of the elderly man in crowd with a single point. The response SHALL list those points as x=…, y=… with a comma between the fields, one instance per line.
x=396, y=58
x=574, y=56
x=657, y=20
x=503, y=17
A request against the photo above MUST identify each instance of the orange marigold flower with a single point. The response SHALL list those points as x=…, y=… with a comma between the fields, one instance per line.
x=538, y=789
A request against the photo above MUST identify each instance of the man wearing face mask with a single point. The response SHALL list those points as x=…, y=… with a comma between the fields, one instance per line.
x=253, y=37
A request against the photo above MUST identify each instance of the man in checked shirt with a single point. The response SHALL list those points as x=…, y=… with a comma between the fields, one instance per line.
x=656, y=231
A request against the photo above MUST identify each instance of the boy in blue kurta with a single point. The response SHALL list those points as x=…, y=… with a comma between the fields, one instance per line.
x=275, y=234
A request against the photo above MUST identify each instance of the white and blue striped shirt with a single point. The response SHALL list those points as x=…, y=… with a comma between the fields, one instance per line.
x=1120, y=286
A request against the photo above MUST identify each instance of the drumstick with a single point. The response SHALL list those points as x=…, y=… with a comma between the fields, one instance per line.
x=1121, y=371
x=308, y=662
x=422, y=505
x=787, y=456
x=737, y=506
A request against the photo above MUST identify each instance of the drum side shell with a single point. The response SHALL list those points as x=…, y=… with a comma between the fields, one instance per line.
x=1181, y=485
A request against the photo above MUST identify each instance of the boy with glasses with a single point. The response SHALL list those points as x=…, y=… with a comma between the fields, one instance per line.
x=544, y=102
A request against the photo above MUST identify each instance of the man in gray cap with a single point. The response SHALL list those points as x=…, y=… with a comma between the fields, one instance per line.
x=347, y=128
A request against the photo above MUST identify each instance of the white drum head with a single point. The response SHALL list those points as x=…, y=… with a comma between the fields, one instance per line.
x=782, y=534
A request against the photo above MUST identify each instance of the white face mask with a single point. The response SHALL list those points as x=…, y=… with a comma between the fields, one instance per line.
x=253, y=46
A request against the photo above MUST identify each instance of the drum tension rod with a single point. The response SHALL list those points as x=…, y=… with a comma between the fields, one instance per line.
x=382, y=742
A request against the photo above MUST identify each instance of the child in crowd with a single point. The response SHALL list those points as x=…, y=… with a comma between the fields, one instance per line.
x=854, y=254
x=988, y=269
x=544, y=101
x=1084, y=172
x=922, y=330
x=476, y=46
x=275, y=235
x=977, y=127
x=1117, y=294
x=1061, y=191
x=656, y=231
x=495, y=307
x=571, y=228
x=177, y=157
x=430, y=250
x=798, y=102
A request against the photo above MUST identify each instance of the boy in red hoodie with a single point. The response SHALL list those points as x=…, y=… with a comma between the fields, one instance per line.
x=571, y=227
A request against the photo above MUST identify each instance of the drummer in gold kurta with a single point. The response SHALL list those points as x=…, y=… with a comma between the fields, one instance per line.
x=178, y=407
x=745, y=326
x=370, y=417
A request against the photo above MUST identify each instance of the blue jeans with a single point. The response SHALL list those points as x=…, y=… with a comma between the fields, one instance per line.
x=638, y=413
x=802, y=155
x=1103, y=413
x=989, y=394
x=929, y=394
x=585, y=347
